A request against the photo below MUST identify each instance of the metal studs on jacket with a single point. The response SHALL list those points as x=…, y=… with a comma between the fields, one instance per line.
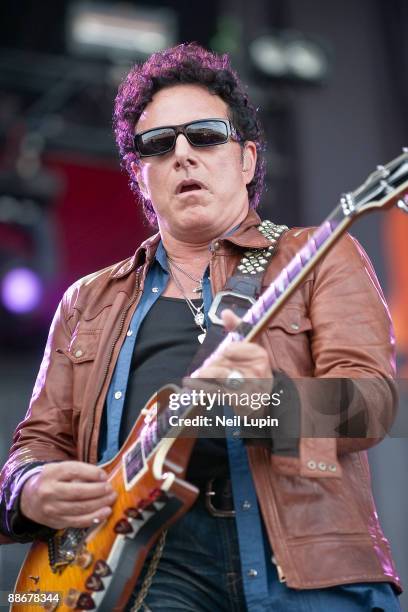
x=255, y=260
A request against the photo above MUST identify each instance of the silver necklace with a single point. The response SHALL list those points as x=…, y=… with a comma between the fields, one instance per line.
x=196, y=311
x=199, y=288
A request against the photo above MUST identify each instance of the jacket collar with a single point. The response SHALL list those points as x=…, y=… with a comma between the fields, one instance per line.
x=144, y=254
x=246, y=236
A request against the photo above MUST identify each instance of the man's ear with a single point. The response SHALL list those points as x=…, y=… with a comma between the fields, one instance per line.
x=249, y=157
x=138, y=174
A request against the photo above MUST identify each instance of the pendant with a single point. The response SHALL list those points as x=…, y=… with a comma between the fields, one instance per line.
x=201, y=337
x=199, y=289
x=199, y=318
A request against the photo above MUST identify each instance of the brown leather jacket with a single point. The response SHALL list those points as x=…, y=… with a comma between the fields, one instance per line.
x=318, y=507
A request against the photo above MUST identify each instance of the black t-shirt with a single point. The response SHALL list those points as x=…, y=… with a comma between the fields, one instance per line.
x=165, y=346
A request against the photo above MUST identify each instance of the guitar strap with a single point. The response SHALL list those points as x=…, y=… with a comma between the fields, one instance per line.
x=242, y=289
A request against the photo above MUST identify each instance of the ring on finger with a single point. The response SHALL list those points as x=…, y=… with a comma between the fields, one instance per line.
x=234, y=380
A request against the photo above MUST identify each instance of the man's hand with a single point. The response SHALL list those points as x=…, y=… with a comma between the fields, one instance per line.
x=67, y=494
x=249, y=360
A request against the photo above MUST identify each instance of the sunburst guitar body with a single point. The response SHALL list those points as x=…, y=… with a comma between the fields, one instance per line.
x=97, y=568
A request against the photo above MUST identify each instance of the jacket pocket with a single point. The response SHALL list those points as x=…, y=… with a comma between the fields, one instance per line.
x=81, y=352
x=316, y=507
x=292, y=320
x=288, y=336
x=83, y=346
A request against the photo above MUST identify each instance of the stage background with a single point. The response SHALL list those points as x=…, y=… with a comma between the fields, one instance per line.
x=324, y=138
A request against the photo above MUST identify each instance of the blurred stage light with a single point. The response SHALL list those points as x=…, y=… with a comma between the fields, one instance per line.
x=28, y=253
x=306, y=60
x=119, y=32
x=289, y=55
x=268, y=56
x=21, y=290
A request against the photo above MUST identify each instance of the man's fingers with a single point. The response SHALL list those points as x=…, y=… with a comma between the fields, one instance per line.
x=244, y=351
x=86, y=520
x=89, y=519
x=76, y=508
x=67, y=491
x=75, y=470
x=230, y=319
x=217, y=372
x=208, y=385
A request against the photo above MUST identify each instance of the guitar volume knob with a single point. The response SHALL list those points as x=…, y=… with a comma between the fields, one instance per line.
x=85, y=602
x=102, y=569
x=134, y=513
x=84, y=559
x=50, y=606
x=123, y=527
x=94, y=583
x=71, y=598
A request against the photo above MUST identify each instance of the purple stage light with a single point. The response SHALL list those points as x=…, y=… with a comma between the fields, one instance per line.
x=21, y=290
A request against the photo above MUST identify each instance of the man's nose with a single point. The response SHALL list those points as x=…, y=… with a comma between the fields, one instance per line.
x=184, y=151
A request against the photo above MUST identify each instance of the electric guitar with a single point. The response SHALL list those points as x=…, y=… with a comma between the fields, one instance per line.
x=96, y=568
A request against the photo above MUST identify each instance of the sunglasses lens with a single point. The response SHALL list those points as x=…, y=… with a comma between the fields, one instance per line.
x=207, y=133
x=155, y=142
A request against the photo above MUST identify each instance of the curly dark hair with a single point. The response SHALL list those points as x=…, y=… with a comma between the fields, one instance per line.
x=185, y=64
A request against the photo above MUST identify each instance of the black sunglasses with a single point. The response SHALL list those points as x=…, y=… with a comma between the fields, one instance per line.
x=201, y=133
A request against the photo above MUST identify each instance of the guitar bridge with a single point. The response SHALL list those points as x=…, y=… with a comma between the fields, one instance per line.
x=64, y=547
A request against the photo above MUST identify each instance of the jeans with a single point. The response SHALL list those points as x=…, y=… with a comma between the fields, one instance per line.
x=199, y=571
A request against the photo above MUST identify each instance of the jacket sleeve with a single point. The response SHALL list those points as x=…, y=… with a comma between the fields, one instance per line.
x=45, y=435
x=353, y=348
x=349, y=403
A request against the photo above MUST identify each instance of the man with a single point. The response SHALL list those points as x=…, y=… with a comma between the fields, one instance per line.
x=309, y=538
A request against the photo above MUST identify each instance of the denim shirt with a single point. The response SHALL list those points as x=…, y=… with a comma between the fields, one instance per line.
x=249, y=526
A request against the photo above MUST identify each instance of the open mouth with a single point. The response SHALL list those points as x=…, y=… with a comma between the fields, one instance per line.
x=189, y=185
x=189, y=188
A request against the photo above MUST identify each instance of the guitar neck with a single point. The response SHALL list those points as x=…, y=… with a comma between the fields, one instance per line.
x=292, y=275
